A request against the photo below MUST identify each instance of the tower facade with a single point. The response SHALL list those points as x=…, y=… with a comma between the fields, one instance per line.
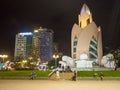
x=86, y=37
x=45, y=38
x=23, y=44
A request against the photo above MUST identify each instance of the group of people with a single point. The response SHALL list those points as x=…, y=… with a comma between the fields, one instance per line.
x=101, y=75
x=74, y=78
x=65, y=69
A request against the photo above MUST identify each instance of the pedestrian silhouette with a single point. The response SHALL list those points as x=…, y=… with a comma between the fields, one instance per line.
x=101, y=76
x=75, y=76
x=33, y=76
x=95, y=75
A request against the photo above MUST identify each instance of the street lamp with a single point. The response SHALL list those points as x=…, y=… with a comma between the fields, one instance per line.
x=3, y=57
x=55, y=56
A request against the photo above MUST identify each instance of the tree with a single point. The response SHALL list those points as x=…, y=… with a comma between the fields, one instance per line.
x=116, y=54
x=19, y=58
x=18, y=61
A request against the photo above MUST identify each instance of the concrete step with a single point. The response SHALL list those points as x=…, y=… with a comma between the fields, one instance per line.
x=64, y=75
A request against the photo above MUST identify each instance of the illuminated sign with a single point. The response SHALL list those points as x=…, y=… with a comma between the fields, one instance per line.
x=27, y=33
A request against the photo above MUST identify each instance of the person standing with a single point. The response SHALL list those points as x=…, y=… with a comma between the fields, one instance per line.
x=75, y=76
x=95, y=75
x=115, y=66
x=57, y=74
x=63, y=68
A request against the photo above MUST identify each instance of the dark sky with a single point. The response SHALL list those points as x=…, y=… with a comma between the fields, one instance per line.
x=60, y=15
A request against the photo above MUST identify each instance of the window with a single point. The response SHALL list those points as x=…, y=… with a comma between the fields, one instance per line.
x=75, y=43
x=93, y=48
x=74, y=49
x=88, y=21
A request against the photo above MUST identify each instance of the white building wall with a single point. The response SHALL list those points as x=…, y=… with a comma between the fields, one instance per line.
x=20, y=45
x=85, y=34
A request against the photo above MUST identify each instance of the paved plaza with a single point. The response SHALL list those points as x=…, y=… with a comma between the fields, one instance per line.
x=59, y=85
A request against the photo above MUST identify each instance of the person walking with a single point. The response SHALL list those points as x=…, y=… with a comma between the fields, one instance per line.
x=33, y=76
x=101, y=76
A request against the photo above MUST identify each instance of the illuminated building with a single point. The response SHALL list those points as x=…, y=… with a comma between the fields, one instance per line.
x=35, y=47
x=45, y=38
x=23, y=44
x=86, y=37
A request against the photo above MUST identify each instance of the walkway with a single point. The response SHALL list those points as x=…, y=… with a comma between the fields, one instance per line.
x=59, y=85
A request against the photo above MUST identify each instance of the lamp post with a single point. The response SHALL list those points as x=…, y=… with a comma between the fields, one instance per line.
x=3, y=57
x=55, y=56
x=110, y=61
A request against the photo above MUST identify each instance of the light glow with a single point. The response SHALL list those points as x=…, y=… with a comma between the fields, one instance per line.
x=35, y=31
x=84, y=56
x=55, y=56
x=4, y=56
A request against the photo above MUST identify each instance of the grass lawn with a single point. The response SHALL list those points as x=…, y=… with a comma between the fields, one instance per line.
x=23, y=73
x=26, y=73
x=91, y=73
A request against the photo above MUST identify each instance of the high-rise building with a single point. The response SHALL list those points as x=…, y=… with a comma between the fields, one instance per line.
x=23, y=44
x=35, y=49
x=45, y=38
x=86, y=37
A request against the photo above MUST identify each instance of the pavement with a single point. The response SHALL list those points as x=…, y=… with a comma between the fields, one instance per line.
x=59, y=85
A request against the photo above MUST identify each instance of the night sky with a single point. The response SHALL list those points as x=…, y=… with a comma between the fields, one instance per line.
x=59, y=15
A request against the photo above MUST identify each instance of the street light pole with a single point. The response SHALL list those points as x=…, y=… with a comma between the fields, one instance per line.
x=3, y=57
x=55, y=56
x=55, y=62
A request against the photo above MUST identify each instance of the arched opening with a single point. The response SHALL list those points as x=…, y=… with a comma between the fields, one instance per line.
x=75, y=46
x=88, y=21
x=93, y=49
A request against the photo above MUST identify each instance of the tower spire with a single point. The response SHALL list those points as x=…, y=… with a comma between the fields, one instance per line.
x=85, y=17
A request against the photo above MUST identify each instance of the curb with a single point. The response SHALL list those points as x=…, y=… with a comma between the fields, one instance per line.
x=24, y=78
x=46, y=78
x=91, y=78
